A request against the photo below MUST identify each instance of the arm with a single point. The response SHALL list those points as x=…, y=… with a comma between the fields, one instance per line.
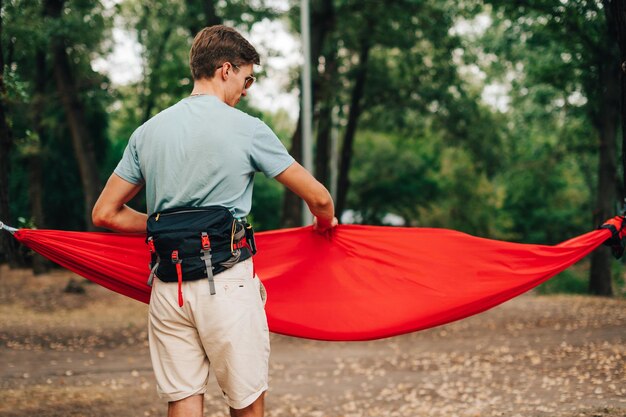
x=111, y=211
x=316, y=196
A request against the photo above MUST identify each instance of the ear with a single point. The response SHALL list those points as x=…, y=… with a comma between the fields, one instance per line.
x=225, y=70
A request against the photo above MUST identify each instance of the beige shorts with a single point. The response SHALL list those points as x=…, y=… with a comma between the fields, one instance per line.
x=226, y=331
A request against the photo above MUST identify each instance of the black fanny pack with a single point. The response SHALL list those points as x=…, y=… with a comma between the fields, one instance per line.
x=191, y=243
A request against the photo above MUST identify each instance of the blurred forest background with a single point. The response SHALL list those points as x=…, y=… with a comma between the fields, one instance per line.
x=497, y=118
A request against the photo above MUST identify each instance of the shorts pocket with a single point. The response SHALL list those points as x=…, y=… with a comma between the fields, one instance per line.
x=262, y=290
x=233, y=289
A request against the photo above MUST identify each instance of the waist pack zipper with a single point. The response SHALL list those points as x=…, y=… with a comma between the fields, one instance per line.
x=177, y=212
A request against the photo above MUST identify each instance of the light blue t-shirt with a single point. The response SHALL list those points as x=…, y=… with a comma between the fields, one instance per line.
x=201, y=152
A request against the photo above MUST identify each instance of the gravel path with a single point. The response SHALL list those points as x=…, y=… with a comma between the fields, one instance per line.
x=86, y=355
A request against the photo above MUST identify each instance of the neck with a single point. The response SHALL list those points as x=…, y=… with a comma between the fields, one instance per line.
x=207, y=88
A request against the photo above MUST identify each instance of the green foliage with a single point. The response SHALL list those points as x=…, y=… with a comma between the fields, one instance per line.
x=551, y=169
x=550, y=54
x=266, y=204
x=427, y=184
x=468, y=200
x=575, y=280
x=427, y=147
x=268, y=193
x=570, y=281
x=62, y=195
x=38, y=123
x=392, y=175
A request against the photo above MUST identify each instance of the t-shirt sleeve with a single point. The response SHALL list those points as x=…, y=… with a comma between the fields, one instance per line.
x=268, y=154
x=128, y=168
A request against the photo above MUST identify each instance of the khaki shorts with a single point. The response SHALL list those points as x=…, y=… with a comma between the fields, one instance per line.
x=226, y=331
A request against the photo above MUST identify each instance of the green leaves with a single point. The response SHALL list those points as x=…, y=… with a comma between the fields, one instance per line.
x=427, y=146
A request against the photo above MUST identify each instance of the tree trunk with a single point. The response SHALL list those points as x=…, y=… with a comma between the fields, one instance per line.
x=615, y=11
x=292, y=204
x=613, y=92
x=322, y=150
x=82, y=142
x=8, y=249
x=324, y=119
x=607, y=124
x=353, y=118
x=35, y=159
x=153, y=79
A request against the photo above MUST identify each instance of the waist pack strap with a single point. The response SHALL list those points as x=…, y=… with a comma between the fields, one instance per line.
x=249, y=236
x=179, y=271
x=237, y=237
x=206, y=257
x=153, y=273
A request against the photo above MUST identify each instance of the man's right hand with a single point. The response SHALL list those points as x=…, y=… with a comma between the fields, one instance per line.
x=321, y=225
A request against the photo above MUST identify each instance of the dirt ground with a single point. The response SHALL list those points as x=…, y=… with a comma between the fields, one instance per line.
x=86, y=355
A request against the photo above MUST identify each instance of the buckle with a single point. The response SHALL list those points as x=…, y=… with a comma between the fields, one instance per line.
x=206, y=243
x=175, y=258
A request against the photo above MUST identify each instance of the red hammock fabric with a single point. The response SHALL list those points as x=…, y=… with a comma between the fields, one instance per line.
x=363, y=282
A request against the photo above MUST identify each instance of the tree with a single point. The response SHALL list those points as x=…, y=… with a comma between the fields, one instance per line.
x=7, y=245
x=360, y=75
x=36, y=155
x=323, y=50
x=68, y=86
x=616, y=20
x=165, y=30
x=382, y=64
x=566, y=45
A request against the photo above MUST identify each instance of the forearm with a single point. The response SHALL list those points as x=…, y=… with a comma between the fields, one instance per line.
x=111, y=211
x=316, y=196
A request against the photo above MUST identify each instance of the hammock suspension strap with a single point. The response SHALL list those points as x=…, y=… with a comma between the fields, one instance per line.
x=8, y=228
x=617, y=240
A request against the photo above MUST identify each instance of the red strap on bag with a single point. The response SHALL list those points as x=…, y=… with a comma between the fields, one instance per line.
x=179, y=271
x=241, y=244
x=206, y=243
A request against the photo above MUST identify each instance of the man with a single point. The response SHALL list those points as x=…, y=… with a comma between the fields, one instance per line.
x=203, y=152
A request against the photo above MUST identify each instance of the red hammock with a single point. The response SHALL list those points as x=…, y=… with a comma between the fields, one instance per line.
x=364, y=282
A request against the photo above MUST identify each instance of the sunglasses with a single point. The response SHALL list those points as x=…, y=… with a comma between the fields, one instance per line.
x=247, y=82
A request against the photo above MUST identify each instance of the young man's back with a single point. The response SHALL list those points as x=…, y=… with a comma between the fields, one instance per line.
x=201, y=152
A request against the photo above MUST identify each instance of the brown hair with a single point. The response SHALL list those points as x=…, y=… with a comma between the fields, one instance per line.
x=215, y=45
